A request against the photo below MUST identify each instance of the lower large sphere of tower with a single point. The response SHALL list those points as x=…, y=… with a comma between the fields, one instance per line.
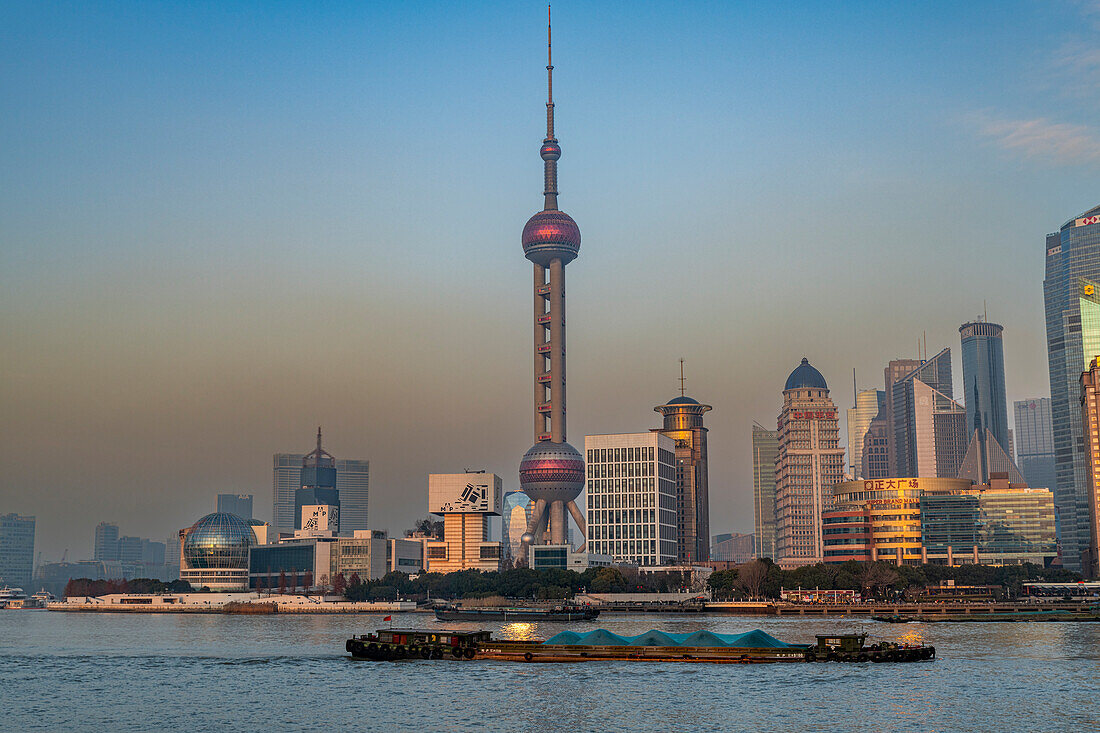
x=552, y=472
x=549, y=235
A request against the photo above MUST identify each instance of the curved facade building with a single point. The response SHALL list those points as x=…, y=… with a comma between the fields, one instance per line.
x=1071, y=297
x=214, y=552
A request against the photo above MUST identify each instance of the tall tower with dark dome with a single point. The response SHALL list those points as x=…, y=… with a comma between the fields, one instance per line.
x=809, y=463
x=552, y=471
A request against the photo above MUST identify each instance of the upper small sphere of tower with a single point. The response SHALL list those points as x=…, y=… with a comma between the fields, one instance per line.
x=804, y=375
x=551, y=234
x=550, y=150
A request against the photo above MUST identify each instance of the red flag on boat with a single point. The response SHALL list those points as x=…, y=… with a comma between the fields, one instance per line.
x=388, y=618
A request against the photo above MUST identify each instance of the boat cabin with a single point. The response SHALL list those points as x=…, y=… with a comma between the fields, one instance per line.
x=840, y=643
x=422, y=637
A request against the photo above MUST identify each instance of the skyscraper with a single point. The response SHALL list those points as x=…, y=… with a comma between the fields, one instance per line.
x=16, y=551
x=875, y=461
x=632, y=497
x=765, y=449
x=352, y=484
x=106, y=542
x=1072, y=254
x=551, y=473
x=928, y=433
x=809, y=463
x=318, y=485
x=990, y=444
x=683, y=422
x=894, y=371
x=1090, y=419
x=239, y=504
x=1035, y=442
x=869, y=403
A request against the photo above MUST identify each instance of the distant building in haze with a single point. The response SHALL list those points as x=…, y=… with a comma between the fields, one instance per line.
x=810, y=462
x=106, y=542
x=875, y=460
x=1070, y=293
x=732, y=547
x=239, y=504
x=928, y=433
x=1035, y=442
x=352, y=483
x=683, y=418
x=16, y=551
x=765, y=450
x=869, y=403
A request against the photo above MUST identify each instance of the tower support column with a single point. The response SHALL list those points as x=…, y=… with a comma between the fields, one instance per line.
x=557, y=351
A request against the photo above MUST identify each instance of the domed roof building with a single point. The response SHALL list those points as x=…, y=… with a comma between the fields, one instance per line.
x=214, y=552
x=804, y=375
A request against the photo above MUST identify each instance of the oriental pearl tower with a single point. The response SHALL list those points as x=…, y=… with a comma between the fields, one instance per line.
x=552, y=472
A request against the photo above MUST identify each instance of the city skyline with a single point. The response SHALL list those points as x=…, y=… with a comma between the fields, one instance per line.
x=168, y=204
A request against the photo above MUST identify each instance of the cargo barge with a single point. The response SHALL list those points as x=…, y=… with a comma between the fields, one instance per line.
x=653, y=646
x=563, y=614
x=1040, y=615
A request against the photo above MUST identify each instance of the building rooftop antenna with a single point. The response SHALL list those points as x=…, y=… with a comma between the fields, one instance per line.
x=682, y=380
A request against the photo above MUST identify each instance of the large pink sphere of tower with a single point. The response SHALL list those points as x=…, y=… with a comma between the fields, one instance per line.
x=551, y=234
x=552, y=472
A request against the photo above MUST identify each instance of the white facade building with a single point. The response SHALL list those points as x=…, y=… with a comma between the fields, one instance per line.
x=465, y=501
x=632, y=497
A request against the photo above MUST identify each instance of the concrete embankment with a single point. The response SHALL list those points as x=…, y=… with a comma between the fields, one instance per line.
x=221, y=603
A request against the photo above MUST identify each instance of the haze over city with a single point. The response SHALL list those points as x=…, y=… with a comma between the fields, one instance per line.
x=223, y=227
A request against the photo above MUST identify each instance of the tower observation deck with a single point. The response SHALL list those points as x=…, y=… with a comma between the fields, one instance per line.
x=552, y=471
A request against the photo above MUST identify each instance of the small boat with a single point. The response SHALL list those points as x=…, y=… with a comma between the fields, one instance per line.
x=12, y=597
x=564, y=614
x=602, y=645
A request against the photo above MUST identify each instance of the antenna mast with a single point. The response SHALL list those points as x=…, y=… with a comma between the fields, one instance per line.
x=682, y=377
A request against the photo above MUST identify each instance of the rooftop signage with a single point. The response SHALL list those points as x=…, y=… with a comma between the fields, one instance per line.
x=1084, y=221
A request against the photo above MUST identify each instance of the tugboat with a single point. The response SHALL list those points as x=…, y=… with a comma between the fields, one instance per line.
x=564, y=614
x=652, y=646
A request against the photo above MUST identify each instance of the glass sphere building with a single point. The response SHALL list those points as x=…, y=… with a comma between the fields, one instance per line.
x=214, y=552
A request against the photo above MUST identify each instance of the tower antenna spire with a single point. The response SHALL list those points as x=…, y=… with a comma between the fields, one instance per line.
x=550, y=151
x=682, y=390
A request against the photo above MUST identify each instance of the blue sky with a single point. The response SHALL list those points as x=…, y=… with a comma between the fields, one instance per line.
x=224, y=224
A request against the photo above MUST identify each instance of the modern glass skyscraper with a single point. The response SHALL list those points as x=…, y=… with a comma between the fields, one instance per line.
x=869, y=402
x=514, y=519
x=1035, y=442
x=928, y=433
x=16, y=551
x=352, y=483
x=1072, y=260
x=983, y=364
x=765, y=449
x=239, y=504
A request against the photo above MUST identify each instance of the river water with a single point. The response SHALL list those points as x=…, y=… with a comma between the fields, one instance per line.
x=113, y=672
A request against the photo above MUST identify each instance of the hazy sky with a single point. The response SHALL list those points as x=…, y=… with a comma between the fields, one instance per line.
x=224, y=224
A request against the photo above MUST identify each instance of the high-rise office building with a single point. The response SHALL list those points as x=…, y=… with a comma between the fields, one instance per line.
x=1035, y=442
x=809, y=463
x=16, y=551
x=239, y=504
x=1090, y=419
x=632, y=497
x=928, y=435
x=352, y=484
x=990, y=445
x=894, y=371
x=683, y=422
x=1072, y=268
x=318, y=486
x=551, y=473
x=868, y=404
x=875, y=460
x=765, y=450
x=130, y=550
x=106, y=542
